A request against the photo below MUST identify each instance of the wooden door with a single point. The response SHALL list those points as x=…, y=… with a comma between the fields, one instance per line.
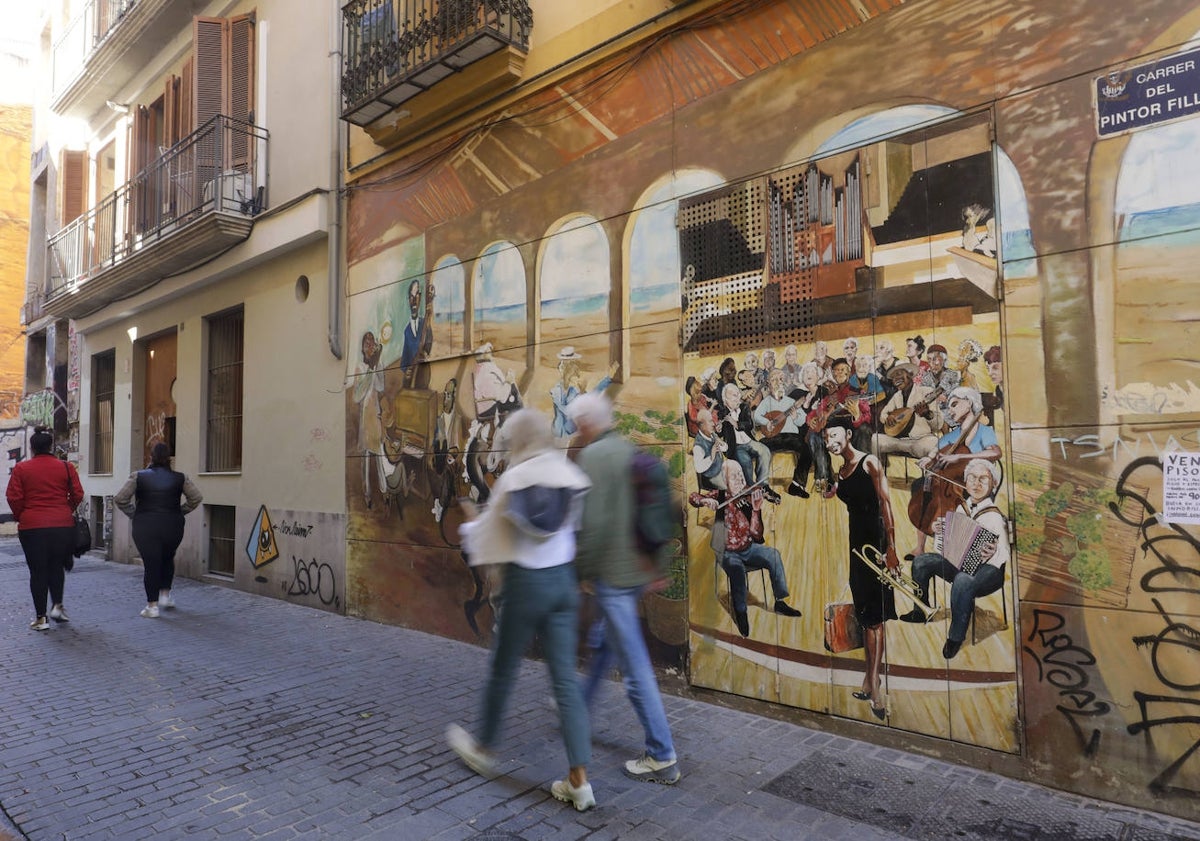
x=159, y=403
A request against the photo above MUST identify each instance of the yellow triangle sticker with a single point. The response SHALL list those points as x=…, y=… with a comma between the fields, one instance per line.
x=261, y=547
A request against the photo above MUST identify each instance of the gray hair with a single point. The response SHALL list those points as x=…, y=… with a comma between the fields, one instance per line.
x=992, y=468
x=592, y=410
x=971, y=395
x=525, y=434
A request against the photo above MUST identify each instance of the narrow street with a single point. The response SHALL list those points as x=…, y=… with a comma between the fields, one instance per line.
x=237, y=717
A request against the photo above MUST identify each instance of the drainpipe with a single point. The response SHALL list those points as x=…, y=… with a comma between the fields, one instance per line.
x=335, y=192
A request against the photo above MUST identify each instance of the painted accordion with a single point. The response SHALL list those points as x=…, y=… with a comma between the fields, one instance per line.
x=963, y=541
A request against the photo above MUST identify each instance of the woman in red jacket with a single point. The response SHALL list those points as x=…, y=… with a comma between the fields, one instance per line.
x=43, y=493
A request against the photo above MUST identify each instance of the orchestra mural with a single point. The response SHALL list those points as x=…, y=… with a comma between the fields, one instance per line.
x=912, y=352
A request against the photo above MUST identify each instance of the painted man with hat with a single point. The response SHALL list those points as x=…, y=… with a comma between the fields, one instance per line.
x=938, y=376
x=908, y=417
x=569, y=386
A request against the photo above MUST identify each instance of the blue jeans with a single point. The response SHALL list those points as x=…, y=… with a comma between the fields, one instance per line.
x=545, y=602
x=964, y=589
x=623, y=642
x=754, y=556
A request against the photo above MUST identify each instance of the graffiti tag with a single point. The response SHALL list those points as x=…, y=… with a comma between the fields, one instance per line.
x=1090, y=446
x=38, y=408
x=313, y=578
x=294, y=528
x=1176, y=550
x=1062, y=664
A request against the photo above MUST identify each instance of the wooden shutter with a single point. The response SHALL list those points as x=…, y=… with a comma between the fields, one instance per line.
x=171, y=121
x=74, y=185
x=208, y=94
x=141, y=153
x=240, y=76
x=186, y=117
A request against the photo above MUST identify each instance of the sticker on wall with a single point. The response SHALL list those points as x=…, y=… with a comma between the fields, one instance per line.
x=261, y=547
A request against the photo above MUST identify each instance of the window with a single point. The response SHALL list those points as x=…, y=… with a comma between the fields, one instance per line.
x=221, y=530
x=104, y=375
x=224, y=439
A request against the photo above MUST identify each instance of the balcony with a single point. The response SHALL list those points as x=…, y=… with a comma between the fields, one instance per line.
x=106, y=46
x=195, y=202
x=395, y=50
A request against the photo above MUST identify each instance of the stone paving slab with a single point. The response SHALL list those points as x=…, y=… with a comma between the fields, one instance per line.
x=242, y=718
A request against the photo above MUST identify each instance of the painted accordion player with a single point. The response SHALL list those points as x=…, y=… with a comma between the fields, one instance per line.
x=963, y=540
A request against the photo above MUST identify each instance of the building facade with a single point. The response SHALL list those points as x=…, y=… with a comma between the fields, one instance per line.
x=183, y=281
x=771, y=217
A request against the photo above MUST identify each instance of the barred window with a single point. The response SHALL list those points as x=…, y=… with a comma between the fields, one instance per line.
x=221, y=538
x=104, y=376
x=224, y=428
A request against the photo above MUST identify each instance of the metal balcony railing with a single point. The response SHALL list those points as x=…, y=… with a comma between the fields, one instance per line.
x=395, y=49
x=82, y=36
x=220, y=168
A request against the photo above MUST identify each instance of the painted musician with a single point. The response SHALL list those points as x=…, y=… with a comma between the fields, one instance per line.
x=738, y=543
x=968, y=438
x=843, y=399
x=982, y=479
x=907, y=418
x=736, y=428
x=779, y=419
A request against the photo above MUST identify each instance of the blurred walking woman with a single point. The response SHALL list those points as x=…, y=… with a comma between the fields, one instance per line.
x=43, y=493
x=529, y=529
x=152, y=498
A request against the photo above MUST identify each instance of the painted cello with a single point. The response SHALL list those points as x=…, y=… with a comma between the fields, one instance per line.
x=942, y=488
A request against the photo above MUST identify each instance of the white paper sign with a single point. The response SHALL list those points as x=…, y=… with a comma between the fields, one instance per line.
x=1181, y=487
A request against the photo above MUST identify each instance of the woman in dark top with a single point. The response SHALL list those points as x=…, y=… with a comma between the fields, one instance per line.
x=43, y=493
x=152, y=498
x=862, y=486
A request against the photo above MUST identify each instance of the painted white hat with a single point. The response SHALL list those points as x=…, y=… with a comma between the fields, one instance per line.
x=568, y=352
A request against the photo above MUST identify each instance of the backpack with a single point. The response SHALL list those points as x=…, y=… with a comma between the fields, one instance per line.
x=653, y=517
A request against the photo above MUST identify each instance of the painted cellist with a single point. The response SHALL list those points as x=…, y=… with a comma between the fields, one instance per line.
x=941, y=488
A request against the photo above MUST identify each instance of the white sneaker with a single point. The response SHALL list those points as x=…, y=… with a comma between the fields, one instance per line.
x=166, y=600
x=59, y=613
x=650, y=770
x=581, y=798
x=150, y=611
x=40, y=624
x=469, y=751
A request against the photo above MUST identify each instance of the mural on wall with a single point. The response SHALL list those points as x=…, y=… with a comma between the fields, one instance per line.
x=803, y=285
x=920, y=330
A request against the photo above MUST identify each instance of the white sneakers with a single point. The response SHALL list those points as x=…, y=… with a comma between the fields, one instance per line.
x=650, y=770
x=40, y=624
x=581, y=798
x=166, y=600
x=150, y=611
x=59, y=614
x=470, y=751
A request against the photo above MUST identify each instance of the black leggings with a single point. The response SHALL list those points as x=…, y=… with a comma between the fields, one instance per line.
x=157, y=537
x=45, y=552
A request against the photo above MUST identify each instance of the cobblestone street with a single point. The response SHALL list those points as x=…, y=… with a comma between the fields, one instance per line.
x=239, y=717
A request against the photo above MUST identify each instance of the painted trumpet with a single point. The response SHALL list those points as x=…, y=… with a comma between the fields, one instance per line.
x=897, y=580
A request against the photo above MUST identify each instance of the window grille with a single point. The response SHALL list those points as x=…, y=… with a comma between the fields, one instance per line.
x=104, y=376
x=225, y=344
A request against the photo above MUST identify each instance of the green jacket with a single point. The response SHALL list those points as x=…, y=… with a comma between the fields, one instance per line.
x=606, y=550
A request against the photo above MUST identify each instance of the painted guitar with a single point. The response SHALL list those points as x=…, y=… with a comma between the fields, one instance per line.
x=778, y=419
x=821, y=415
x=900, y=422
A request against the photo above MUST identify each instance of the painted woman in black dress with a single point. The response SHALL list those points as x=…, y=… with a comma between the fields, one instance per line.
x=862, y=486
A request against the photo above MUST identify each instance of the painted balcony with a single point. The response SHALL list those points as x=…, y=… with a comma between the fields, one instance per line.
x=197, y=200
x=396, y=50
x=106, y=46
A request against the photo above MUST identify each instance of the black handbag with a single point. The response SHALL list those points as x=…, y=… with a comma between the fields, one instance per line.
x=83, y=532
x=83, y=536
